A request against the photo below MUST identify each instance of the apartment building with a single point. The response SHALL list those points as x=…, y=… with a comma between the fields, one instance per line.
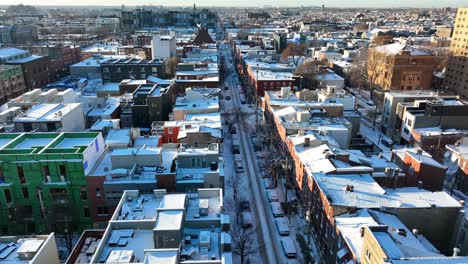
x=390, y=120
x=170, y=228
x=11, y=82
x=51, y=118
x=36, y=70
x=152, y=102
x=372, y=236
x=116, y=70
x=400, y=67
x=445, y=114
x=196, y=101
x=456, y=75
x=330, y=180
x=43, y=179
x=197, y=130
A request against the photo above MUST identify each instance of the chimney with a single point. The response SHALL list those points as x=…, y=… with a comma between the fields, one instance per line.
x=415, y=232
x=362, y=231
x=402, y=232
x=349, y=188
x=456, y=252
x=405, y=52
x=420, y=184
x=213, y=165
x=306, y=142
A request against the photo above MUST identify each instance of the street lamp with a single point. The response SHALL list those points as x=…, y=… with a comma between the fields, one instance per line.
x=300, y=88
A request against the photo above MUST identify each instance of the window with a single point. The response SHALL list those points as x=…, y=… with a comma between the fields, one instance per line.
x=58, y=191
x=63, y=170
x=169, y=140
x=154, y=69
x=169, y=131
x=105, y=69
x=27, y=127
x=368, y=254
x=102, y=210
x=7, y=195
x=410, y=122
x=45, y=172
x=84, y=194
x=21, y=177
x=86, y=211
x=98, y=192
x=25, y=192
x=51, y=127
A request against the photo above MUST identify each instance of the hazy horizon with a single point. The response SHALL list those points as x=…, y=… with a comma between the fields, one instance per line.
x=248, y=3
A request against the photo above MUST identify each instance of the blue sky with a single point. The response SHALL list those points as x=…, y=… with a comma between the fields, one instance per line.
x=332, y=3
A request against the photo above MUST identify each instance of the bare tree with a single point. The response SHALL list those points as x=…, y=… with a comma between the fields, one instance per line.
x=244, y=243
x=171, y=66
x=308, y=71
x=67, y=239
x=230, y=120
x=361, y=27
x=295, y=51
x=235, y=183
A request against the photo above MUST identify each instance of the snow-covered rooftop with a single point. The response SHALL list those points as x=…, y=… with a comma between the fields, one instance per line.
x=393, y=243
x=396, y=48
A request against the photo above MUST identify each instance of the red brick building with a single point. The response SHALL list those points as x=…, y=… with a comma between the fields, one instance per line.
x=420, y=169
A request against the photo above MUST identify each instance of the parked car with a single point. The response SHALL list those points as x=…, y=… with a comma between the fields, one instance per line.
x=239, y=167
x=244, y=206
x=276, y=209
x=282, y=226
x=246, y=219
x=227, y=98
x=387, y=143
x=288, y=247
x=226, y=87
x=272, y=195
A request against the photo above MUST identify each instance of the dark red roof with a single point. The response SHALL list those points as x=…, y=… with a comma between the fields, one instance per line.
x=203, y=36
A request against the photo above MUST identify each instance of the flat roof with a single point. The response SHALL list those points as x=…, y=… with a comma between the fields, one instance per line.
x=10, y=52
x=33, y=142
x=74, y=142
x=368, y=194
x=12, y=247
x=47, y=112
x=135, y=240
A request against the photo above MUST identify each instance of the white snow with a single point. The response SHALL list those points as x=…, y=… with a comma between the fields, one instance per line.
x=169, y=220
x=396, y=48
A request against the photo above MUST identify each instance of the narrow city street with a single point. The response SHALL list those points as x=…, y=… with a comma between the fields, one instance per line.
x=268, y=236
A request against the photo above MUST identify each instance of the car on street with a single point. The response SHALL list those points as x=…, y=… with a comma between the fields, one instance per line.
x=288, y=247
x=239, y=167
x=244, y=206
x=282, y=226
x=246, y=219
x=226, y=87
x=228, y=97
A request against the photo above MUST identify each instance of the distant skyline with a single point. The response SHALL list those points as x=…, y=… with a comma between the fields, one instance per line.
x=261, y=3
